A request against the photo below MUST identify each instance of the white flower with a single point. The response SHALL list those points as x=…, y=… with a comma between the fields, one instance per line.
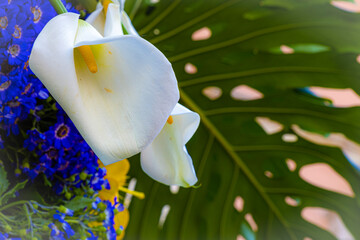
x=108, y=20
x=166, y=158
x=118, y=90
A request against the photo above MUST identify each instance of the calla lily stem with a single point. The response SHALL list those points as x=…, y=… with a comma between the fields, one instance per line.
x=89, y=5
x=58, y=6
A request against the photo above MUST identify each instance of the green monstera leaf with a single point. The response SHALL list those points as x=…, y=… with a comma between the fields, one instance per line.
x=249, y=177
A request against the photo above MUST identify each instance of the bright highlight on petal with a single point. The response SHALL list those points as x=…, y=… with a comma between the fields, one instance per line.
x=166, y=158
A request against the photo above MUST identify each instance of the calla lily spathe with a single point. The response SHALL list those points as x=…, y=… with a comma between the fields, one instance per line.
x=122, y=107
x=166, y=158
x=111, y=24
x=168, y=152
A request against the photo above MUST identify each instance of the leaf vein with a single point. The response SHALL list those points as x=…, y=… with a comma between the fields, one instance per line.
x=260, y=110
x=228, y=148
x=242, y=38
x=200, y=171
x=193, y=21
x=159, y=18
x=254, y=72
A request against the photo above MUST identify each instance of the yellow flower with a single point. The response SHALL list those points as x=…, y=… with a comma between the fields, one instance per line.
x=121, y=219
x=116, y=175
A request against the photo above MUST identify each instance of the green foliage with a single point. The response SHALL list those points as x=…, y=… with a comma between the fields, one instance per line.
x=4, y=198
x=4, y=183
x=231, y=152
x=79, y=203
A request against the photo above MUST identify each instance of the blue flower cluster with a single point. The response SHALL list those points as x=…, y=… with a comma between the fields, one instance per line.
x=103, y=213
x=58, y=150
x=106, y=216
x=61, y=232
x=20, y=23
x=40, y=141
x=64, y=157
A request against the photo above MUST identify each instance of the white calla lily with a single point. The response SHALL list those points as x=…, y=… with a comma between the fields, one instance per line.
x=166, y=158
x=121, y=107
x=115, y=17
x=107, y=23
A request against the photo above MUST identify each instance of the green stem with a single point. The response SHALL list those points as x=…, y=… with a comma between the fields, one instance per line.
x=6, y=218
x=13, y=204
x=72, y=221
x=29, y=220
x=89, y=5
x=58, y=6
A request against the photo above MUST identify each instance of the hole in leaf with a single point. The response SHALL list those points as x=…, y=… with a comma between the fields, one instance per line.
x=339, y=97
x=156, y=31
x=328, y=220
x=190, y=68
x=308, y=48
x=268, y=125
x=249, y=218
x=324, y=176
x=292, y=201
x=286, y=49
x=347, y=6
x=307, y=238
x=163, y=215
x=150, y=9
x=154, y=1
x=291, y=164
x=240, y=237
x=245, y=93
x=350, y=148
x=201, y=34
x=289, y=137
x=174, y=189
x=212, y=92
x=239, y=204
x=268, y=174
x=358, y=58
x=128, y=197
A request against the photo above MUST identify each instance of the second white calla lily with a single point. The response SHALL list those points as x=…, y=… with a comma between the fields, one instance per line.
x=119, y=105
x=166, y=158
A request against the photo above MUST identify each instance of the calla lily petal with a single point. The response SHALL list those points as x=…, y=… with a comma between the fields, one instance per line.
x=111, y=24
x=97, y=19
x=166, y=158
x=122, y=107
x=128, y=25
x=122, y=4
x=113, y=21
